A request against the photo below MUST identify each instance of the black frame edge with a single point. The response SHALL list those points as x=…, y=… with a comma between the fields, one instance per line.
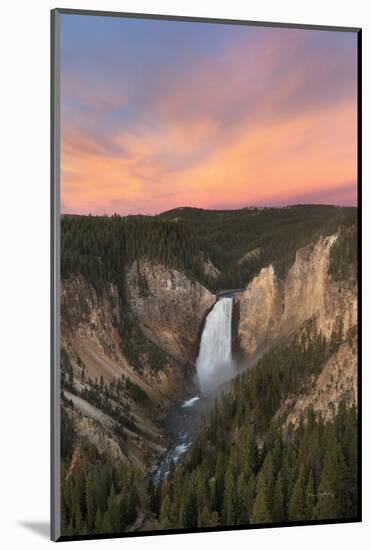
x=55, y=516
x=224, y=528
x=359, y=274
x=199, y=19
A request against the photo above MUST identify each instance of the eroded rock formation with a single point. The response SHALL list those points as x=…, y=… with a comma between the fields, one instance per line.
x=272, y=309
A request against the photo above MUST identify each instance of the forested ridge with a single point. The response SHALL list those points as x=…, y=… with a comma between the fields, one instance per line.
x=237, y=242
x=102, y=247
x=98, y=496
x=239, y=479
x=273, y=235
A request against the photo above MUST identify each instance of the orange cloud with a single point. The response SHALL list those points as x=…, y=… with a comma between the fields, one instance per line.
x=216, y=135
x=306, y=153
x=302, y=154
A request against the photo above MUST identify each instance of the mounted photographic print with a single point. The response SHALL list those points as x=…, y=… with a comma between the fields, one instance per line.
x=205, y=225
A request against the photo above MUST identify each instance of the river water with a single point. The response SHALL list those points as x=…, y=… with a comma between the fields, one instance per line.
x=214, y=367
x=181, y=422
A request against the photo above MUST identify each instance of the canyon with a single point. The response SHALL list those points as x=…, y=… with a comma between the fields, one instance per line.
x=191, y=338
x=170, y=310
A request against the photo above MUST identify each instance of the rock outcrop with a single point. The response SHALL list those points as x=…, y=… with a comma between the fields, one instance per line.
x=260, y=310
x=89, y=318
x=337, y=381
x=169, y=307
x=272, y=309
x=170, y=310
x=210, y=270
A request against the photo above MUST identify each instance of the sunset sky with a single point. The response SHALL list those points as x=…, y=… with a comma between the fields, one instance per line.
x=159, y=114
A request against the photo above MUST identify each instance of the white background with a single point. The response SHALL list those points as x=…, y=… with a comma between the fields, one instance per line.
x=24, y=271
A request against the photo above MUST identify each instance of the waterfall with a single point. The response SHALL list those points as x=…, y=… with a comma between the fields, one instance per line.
x=214, y=362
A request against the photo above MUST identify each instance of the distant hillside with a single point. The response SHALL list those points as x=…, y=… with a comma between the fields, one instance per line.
x=187, y=238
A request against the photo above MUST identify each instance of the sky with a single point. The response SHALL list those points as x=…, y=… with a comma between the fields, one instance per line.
x=157, y=115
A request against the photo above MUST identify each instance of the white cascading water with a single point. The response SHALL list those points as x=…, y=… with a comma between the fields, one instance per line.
x=214, y=366
x=214, y=362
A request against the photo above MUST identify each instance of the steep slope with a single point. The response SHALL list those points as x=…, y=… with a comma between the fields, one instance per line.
x=336, y=382
x=94, y=362
x=280, y=444
x=169, y=307
x=272, y=309
x=132, y=309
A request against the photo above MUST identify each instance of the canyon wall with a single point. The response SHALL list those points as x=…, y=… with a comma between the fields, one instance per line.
x=169, y=307
x=337, y=380
x=272, y=309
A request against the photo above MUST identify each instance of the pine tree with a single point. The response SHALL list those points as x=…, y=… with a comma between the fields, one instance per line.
x=260, y=513
x=309, y=497
x=202, y=493
x=242, y=504
x=229, y=503
x=268, y=473
x=133, y=500
x=296, y=508
x=190, y=508
x=278, y=513
x=165, y=513
x=180, y=481
x=113, y=511
x=98, y=522
x=76, y=518
x=350, y=450
x=106, y=523
x=331, y=496
x=246, y=451
x=250, y=495
x=91, y=501
x=153, y=498
x=219, y=482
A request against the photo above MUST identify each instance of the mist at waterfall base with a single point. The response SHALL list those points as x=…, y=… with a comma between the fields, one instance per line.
x=214, y=368
x=214, y=364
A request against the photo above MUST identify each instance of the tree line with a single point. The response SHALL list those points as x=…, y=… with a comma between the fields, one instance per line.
x=243, y=468
x=102, y=247
x=344, y=255
x=304, y=474
x=96, y=495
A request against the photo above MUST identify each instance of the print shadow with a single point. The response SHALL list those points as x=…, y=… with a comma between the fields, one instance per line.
x=41, y=528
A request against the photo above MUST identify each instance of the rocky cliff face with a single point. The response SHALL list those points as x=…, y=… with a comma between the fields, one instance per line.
x=260, y=308
x=337, y=381
x=271, y=309
x=90, y=349
x=169, y=307
x=88, y=318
